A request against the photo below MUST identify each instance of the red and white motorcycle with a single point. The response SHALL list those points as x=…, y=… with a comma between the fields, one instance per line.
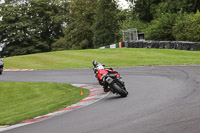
x=109, y=79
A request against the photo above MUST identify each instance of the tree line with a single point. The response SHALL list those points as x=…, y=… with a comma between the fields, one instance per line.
x=172, y=20
x=33, y=26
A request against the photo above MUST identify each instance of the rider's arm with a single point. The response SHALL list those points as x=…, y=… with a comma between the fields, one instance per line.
x=108, y=68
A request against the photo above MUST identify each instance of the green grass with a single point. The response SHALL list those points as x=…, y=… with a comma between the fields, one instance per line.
x=124, y=57
x=21, y=100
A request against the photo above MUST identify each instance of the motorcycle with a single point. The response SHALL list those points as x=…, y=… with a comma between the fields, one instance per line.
x=111, y=80
x=1, y=66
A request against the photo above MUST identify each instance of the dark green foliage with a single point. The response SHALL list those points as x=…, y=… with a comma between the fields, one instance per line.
x=174, y=6
x=106, y=25
x=145, y=9
x=187, y=27
x=142, y=10
x=90, y=24
x=161, y=28
x=165, y=19
x=61, y=44
x=130, y=23
x=148, y=10
x=78, y=33
x=196, y=5
x=30, y=26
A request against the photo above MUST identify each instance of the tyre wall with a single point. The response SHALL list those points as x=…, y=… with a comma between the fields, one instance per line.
x=180, y=45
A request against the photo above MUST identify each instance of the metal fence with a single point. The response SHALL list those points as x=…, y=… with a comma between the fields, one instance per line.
x=130, y=34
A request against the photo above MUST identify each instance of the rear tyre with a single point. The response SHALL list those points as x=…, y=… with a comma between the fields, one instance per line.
x=120, y=91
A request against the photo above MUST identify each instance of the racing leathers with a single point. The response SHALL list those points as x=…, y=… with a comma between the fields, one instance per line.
x=103, y=72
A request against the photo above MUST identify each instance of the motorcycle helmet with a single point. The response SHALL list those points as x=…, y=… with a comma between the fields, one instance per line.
x=100, y=67
x=1, y=62
x=94, y=63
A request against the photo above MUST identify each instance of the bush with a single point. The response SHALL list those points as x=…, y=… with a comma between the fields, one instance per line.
x=161, y=28
x=61, y=44
x=138, y=24
x=187, y=27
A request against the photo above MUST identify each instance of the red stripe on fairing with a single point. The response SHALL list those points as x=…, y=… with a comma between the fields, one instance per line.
x=36, y=119
x=69, y=108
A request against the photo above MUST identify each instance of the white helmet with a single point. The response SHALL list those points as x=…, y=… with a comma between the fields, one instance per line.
x=1, y=62
x=100, y=67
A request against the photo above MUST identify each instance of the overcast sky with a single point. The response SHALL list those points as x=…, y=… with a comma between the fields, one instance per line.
x=123, y=4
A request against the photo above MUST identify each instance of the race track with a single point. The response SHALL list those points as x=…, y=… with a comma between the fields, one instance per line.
x=162, y=99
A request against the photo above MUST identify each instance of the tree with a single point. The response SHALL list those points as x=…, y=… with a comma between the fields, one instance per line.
x=162, y=27
x=106, y=23
x=78, y=32
x=187, y=27
x=196, y=5
x=145, y=9
x=165, y=19
x=30, y=26
x=176, y=6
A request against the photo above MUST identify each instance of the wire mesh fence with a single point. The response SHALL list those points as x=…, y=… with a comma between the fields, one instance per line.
x=130, y=34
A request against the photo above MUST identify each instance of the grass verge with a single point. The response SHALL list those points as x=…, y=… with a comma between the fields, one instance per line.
x=26, y=100
x=124, y=57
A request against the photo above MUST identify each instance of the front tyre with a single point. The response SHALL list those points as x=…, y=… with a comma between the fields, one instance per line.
x=119, y=90
x=1, y=70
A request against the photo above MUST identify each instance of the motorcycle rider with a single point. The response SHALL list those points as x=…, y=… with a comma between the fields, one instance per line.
x=100, y=71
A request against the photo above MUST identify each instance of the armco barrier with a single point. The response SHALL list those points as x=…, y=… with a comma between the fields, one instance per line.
x=180, y=45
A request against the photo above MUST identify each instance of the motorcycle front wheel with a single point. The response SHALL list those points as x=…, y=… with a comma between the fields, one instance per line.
x=119, y=90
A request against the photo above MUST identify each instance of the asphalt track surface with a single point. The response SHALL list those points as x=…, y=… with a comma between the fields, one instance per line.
x=162, y=99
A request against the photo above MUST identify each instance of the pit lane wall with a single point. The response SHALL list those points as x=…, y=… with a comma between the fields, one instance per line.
x=180, y=45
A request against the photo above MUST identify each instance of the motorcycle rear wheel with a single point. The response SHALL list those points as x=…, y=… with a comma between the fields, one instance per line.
x=119, y=90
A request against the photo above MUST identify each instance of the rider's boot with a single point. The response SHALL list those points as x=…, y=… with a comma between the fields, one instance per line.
x=105, y=90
